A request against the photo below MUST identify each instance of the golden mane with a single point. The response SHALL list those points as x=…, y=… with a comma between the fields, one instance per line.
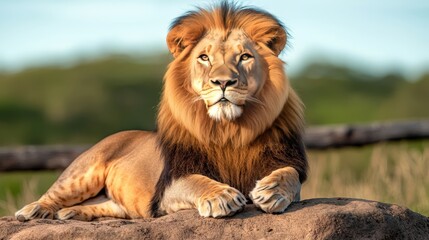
x=182, y=120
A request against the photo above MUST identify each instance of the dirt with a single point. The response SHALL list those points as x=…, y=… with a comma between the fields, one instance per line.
x=332, y=218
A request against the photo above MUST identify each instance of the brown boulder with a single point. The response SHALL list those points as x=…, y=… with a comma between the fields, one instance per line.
x=331, y=218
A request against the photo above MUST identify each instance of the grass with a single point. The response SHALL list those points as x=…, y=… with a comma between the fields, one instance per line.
x=20, y=188
x=393, y=173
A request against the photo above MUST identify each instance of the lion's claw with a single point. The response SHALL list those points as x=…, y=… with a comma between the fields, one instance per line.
x=34, y=210
x=222, y=203
x=273, y=195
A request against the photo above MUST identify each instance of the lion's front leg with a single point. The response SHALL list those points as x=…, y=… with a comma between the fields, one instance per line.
x=275, y=192
x=211, y=198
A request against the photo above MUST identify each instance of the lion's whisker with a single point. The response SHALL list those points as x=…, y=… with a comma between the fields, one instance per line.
x=254, y=100
x=196, y=99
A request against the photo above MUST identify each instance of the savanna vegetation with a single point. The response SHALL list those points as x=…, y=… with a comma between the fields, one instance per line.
x=81, y=104
x=87, y=101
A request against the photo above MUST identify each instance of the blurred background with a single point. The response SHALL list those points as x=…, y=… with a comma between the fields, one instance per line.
x=73, y=72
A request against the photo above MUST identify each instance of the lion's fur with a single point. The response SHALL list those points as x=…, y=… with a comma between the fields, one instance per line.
x=192, y=160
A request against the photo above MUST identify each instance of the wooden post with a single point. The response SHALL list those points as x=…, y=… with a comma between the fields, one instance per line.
x=38, y=157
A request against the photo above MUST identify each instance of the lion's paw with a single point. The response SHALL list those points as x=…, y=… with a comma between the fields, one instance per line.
x=72, y=213
x=274, y=196
x=34, y=210
x=220, y=203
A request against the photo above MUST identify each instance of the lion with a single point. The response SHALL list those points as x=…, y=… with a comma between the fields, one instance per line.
x=229, y=131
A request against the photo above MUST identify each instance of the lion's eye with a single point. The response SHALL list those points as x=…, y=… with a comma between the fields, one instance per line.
x=245, y=57
x=204, y=57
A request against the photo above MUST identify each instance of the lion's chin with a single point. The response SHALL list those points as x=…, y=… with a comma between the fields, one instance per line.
x=225, y=110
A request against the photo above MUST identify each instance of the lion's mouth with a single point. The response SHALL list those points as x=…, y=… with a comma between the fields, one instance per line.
x=224, y=108
x=222, y=101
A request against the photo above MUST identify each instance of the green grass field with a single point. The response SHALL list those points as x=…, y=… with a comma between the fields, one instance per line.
x=18, y=188
x=393, y=173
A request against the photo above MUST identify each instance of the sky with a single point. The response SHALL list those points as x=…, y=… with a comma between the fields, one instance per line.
x=380, y=36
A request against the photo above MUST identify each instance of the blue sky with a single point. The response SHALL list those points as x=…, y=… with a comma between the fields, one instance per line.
x=378, y=35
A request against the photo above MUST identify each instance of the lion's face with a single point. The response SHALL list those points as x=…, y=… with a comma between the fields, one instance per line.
x=224, y=73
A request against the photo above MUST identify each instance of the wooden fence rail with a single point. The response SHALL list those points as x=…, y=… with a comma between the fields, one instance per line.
x=59, y=157
x=358, y=135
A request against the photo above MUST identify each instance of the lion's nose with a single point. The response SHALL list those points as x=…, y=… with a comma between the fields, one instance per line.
x=223, y=84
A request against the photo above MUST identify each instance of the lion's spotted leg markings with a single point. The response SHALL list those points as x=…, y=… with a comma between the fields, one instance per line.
x=93, y=208
x=77, y=183
x=211, y=198
x=275, y=192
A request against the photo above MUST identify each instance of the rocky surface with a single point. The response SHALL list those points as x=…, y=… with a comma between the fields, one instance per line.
x=333, y=218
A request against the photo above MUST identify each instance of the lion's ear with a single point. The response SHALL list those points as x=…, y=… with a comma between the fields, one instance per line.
x=277, y=40
x=183, y=34
x=270, y=33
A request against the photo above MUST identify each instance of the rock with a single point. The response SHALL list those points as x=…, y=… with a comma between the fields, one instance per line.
x=330, y=218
